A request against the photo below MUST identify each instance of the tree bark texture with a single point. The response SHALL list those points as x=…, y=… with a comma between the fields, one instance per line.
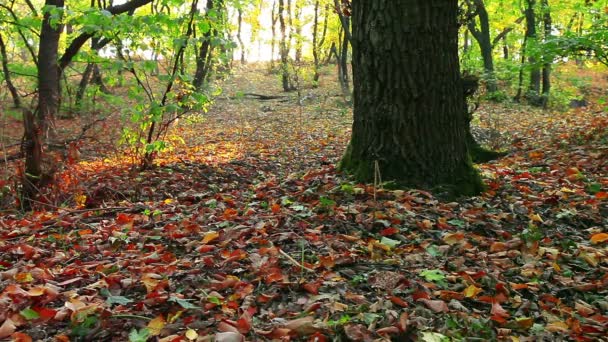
x=409, y=120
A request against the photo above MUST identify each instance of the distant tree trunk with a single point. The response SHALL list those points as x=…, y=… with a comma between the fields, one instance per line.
x=409, y=119
x=284, y=50
x=343, y=65
x=298, y=30
x=546, y=72
x=466, y=45
x=7, y=75
x=36, y=127
x=505, y=48
x=273, y=40
x=317, y=42
x=204, y=55
x=531, y=38
x=238, y=33
x=84, y=82
x=482, y=36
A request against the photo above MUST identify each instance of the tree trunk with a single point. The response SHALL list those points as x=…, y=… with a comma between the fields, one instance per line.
x=7, y=75
x=298, y=30
x=273, y=40
x=482, y=35
x=546, y=72
x=343, y=65
x=238, y=33
x=535, y=74
x=36, y=127
x=315, y=45
x=203, y=57
x=409, y=119
x=284, y=50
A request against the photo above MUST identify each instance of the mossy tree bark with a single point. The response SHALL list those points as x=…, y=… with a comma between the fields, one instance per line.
x=409, y=125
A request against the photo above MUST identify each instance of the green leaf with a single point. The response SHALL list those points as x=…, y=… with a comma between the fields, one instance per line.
x=184, y=303
x=594, y=188
x=326, y=202
x=457, y=223
x=389, y=242
x=139, y=336
x=428, y=336
x=433, y=275
x=115, y=299
x=433, y=251
x=29, y=314
x=214, y=300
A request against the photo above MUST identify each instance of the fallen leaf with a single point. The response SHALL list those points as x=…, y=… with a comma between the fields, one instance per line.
x=156, y=325
x=435, y=305
x=599, y=238
x=7, y=328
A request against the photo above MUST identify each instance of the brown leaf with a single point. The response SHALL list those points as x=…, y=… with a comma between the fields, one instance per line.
x=7, y=328
x=435, y=305
x=302, y=326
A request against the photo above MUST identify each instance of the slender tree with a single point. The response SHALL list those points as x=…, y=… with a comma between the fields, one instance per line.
x=409, y=121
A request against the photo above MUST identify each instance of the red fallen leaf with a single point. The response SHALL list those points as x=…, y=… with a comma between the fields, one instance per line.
x=388, y=331
x=355, y=298
x=230, y=214
x=275, y=208
x=312, y=288
x=124, y=219
x=274, y=276
x=420, y=294
x=224, y=326
x=265, y=298
x=313, y=307
x=317, y=337
x=243, y=324
x=205, y=248
x=327, y=261
x=435, y=305
x=45, y=313
x=389, y=231
x=449, y=295
x=398, y=301
x=601, y=195
x=21, y=337
x=499, y=314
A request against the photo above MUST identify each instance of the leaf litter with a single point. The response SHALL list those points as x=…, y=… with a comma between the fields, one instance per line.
x=246, y=231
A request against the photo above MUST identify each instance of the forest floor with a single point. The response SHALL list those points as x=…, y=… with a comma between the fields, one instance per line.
x=246, y=231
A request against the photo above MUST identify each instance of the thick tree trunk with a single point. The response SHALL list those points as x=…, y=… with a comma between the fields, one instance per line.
x=409, y=119
x=7, y=75
x=482, y=35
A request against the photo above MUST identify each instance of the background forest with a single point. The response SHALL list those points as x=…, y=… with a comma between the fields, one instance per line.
x=171, y=171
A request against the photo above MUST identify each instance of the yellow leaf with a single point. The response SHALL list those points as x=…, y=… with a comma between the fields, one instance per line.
x=168, y=201
x=80, y=200
x=472, y=291
x=536, y=218
x=191, y=334
x=599, y=237
x=210, y=236
x=156, y=325
x=557, y=326
x=453, y=238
